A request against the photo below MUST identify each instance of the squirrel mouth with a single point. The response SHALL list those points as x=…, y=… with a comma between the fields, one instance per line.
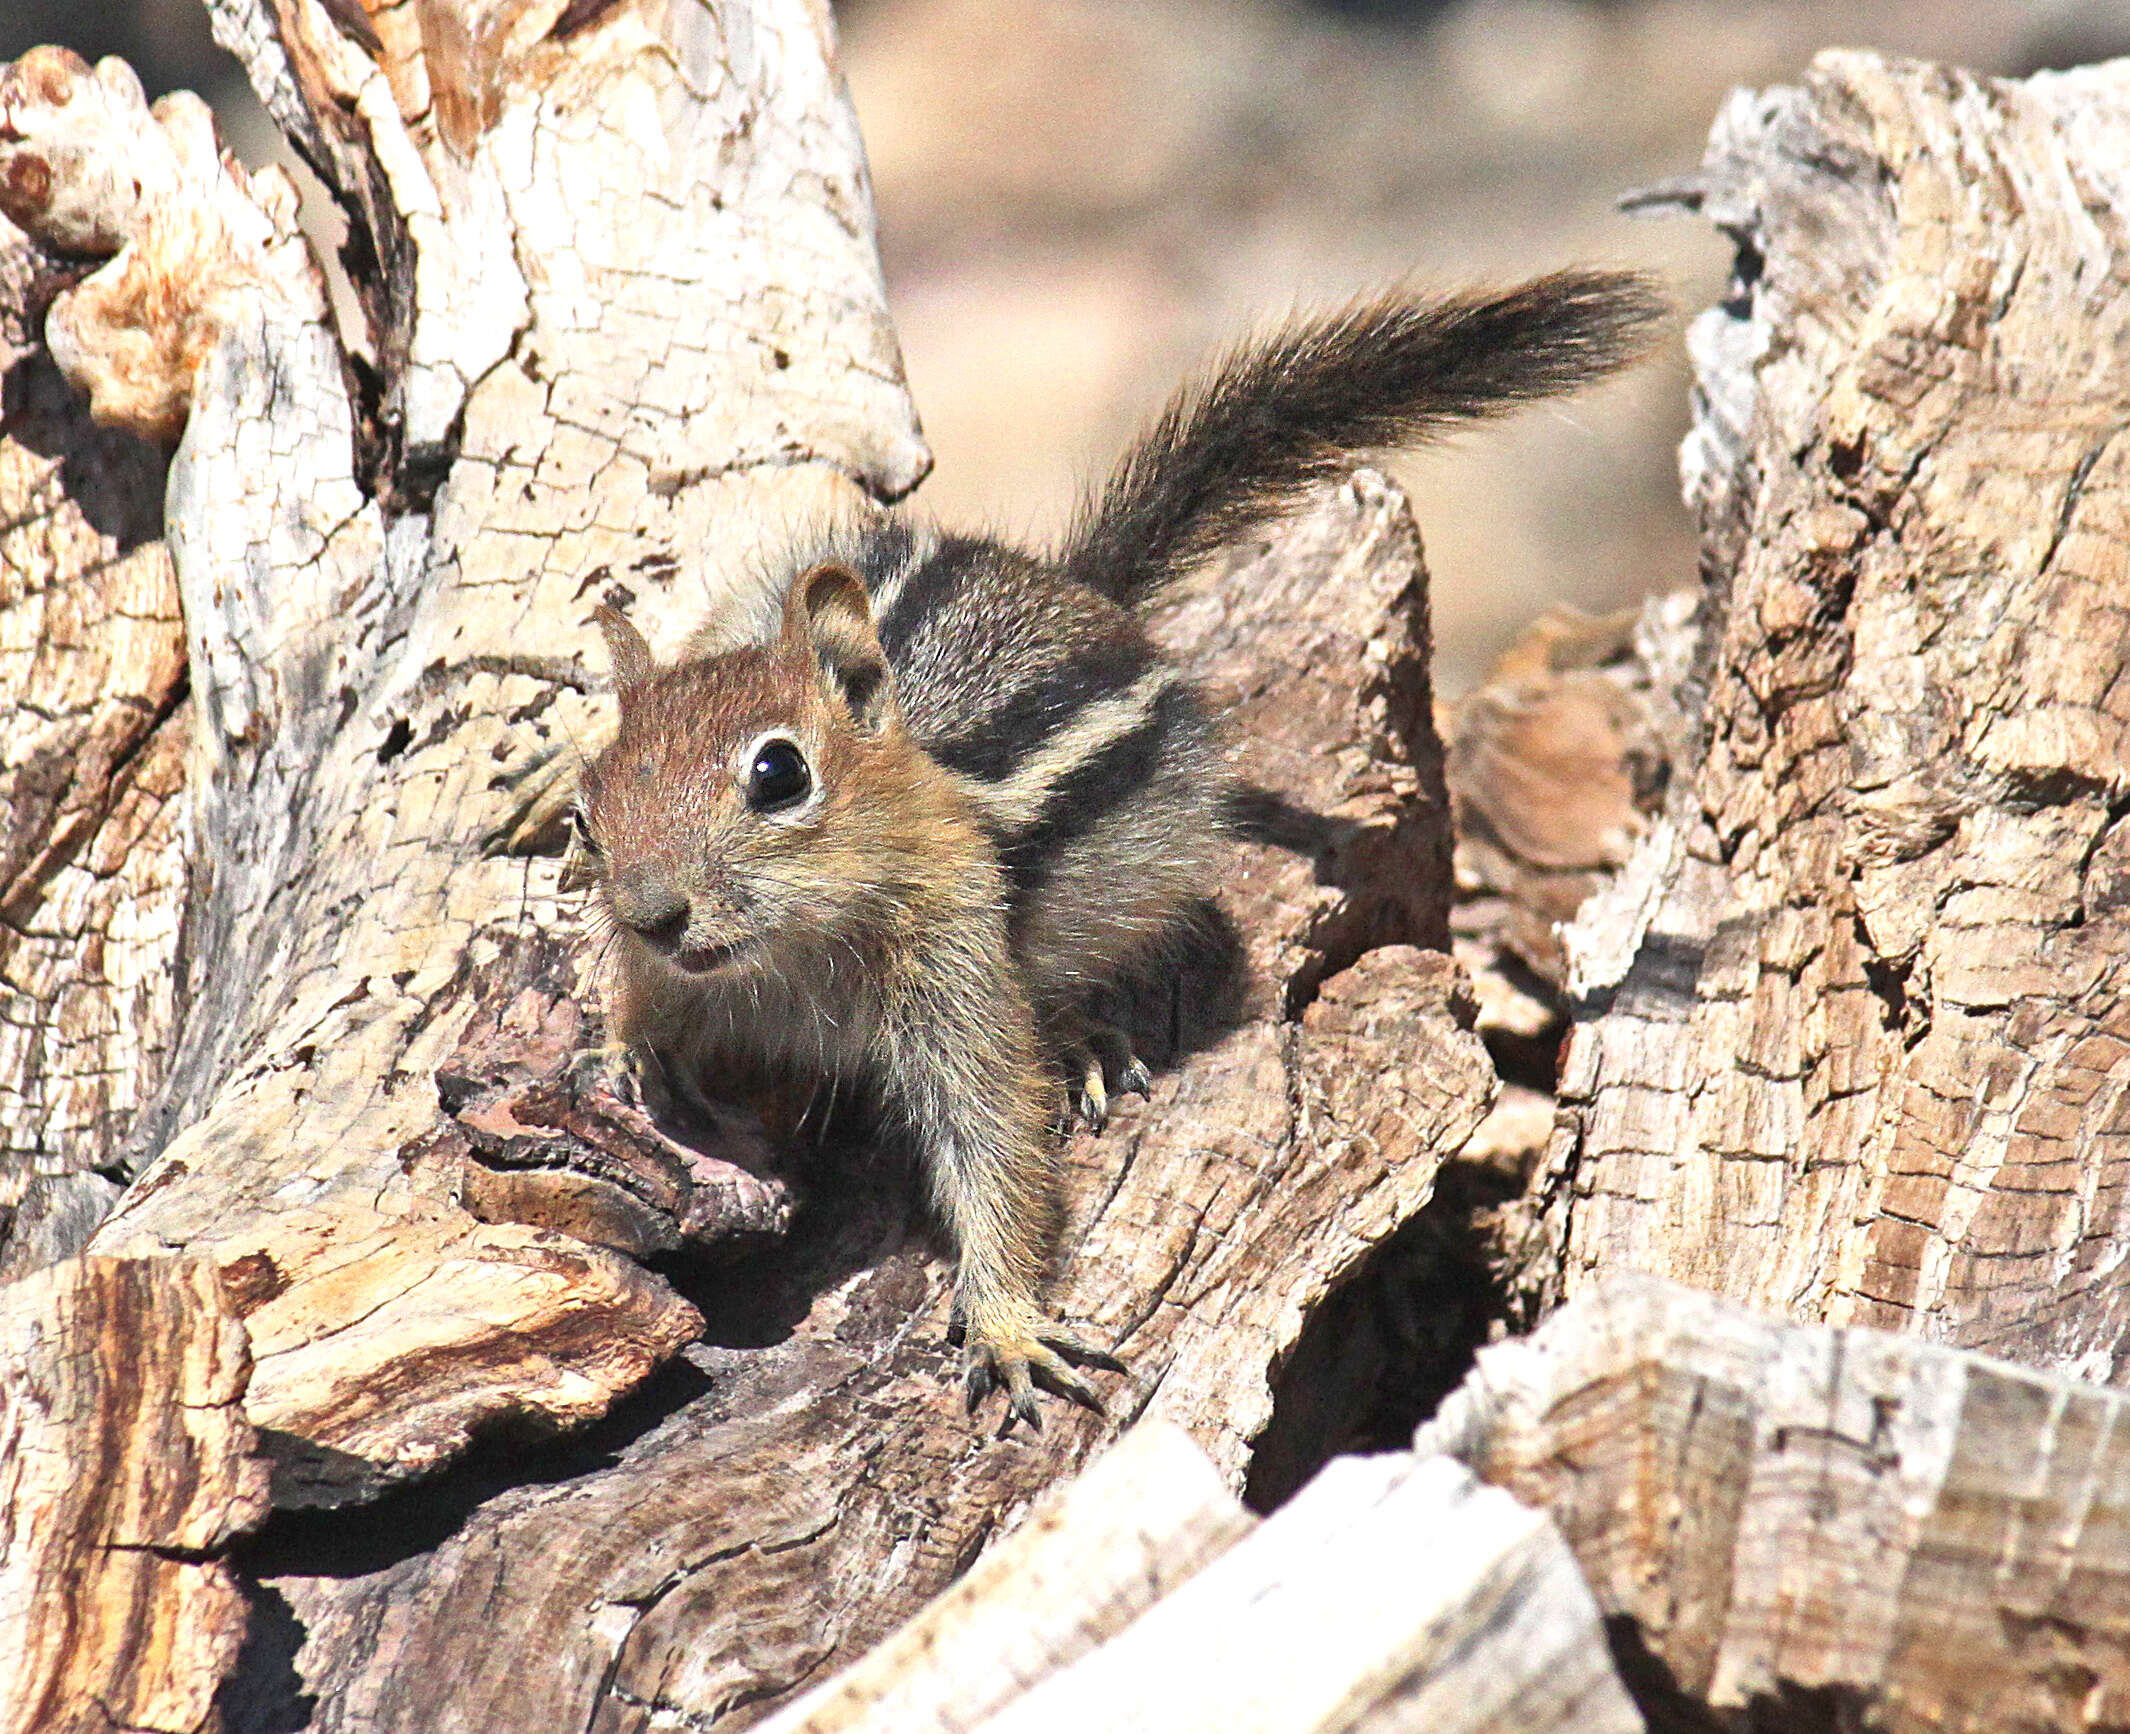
x=702, y=959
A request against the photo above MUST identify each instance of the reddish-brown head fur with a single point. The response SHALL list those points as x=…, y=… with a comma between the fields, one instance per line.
x=759, y=796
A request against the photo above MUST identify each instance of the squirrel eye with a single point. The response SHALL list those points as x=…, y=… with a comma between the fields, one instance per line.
x=778, y=777
x=581, y=828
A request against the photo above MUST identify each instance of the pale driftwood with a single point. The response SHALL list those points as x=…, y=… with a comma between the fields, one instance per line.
x=1088, y=1559
x=1859, y=1038
x=1803, y=1522
x=125, y=1471
x=1387, y=1595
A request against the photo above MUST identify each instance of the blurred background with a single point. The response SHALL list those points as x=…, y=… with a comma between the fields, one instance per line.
x=1079, y=199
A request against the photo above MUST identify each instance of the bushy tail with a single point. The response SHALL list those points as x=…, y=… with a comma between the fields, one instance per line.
x=1277, y=416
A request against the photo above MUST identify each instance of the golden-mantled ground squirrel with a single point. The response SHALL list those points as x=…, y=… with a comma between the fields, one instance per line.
x=912, y=823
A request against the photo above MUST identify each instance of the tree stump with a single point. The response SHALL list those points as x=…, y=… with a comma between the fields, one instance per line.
x=1859, y=1041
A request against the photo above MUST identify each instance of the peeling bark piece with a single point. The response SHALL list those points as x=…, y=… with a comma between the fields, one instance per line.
x=125, y=1471
x=1795, y=1516
x=1387, y=1595
x=392, y=1353
x=86, y=166
x=94, y=727
x=1860, y=1032
x=1088, y=1559
x=826, y=1484
x=556, y=1135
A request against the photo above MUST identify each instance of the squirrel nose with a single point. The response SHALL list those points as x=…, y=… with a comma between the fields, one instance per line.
x=661, y=928
x=649, y=905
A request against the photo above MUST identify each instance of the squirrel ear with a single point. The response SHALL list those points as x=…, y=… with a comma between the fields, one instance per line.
x=626, y=650
x=828, y=610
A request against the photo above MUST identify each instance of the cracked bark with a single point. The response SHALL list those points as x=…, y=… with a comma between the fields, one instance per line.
x=1845, y=1028
x=1860, y=1040
x=96, y=724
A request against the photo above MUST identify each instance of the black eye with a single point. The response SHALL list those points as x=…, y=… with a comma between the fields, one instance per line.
x=778, y=778
x=582, y=828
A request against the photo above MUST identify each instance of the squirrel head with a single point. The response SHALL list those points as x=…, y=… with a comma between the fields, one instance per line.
x=741, y=800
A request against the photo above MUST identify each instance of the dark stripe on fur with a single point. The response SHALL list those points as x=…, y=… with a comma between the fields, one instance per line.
x=1022, y=722
x=1276, y=417
x=1094, y=788
x=928, y=589
x=887, y=546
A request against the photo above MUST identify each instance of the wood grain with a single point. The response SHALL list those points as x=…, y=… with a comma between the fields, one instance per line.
x=1858, y=1047
x=1389, y=1594
x=1091, y=1556
x=1803, y=1522
x=94, y=724
x=125, y=1471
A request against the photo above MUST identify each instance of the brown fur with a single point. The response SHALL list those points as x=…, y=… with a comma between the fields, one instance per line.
x=866, y=932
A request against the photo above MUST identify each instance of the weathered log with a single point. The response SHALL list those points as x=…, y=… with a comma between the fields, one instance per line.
x=1858, y=1035
x=1089, y=1558
x=1785, y=1524
x=1806, y=1527
x=1849, y=1036
x=379, y=742
x=826, y=1484
x=1387, y=1595
x=125, y=1471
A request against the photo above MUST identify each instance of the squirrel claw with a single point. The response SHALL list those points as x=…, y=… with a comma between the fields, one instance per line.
x=1022, y=1365
x=1021, y=1406
x=1061, y=1381
x=1097, y=1066
x=1078, y=1350
x=1090, y=1100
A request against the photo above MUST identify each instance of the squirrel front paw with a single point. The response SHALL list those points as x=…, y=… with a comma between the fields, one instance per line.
x=1100, y=1064
x=1020, y=1356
